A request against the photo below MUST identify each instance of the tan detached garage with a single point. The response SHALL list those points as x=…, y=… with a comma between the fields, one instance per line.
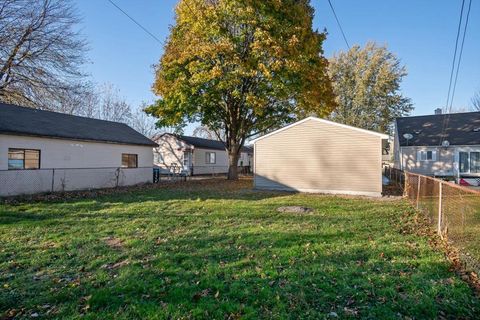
x=317, y=155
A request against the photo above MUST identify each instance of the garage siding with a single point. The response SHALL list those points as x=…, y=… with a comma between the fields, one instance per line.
x=316, y=156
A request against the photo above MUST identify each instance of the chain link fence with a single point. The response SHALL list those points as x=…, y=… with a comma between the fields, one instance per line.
x=175, y=171
x=453, y=210
x=20, y=182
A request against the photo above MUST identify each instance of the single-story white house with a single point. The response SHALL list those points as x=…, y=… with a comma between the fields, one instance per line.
x=445, y=145
x=320, y=156
x=196, y=156
x=44, y=151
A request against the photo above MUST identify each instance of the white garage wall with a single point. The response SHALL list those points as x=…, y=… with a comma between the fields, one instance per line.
x=318, y=156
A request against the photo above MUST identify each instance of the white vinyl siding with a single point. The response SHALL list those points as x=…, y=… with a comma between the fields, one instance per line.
x=317, y=156
x=427, y=155
x=157, y=157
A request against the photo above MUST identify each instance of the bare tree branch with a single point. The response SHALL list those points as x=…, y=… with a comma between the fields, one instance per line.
x=41, y=54
x=476, y=101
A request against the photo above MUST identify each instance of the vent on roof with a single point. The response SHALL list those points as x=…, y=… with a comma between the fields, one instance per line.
x=477, y=129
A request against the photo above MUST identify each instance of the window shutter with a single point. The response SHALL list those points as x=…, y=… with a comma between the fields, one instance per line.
x=434, y=155
x=419, y=155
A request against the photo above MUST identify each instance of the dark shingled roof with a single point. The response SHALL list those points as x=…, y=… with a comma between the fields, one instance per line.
x=462, y=129
x=17, y=120
x=209, y=144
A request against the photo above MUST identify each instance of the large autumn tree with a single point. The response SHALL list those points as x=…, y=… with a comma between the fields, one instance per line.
x=241, y=68
x=367, y=83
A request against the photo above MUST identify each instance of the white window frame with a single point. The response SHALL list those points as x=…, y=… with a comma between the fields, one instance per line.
x=208, y=157
x=422, y=155
x=187, y=160
x=157, y=157
x=469, y=160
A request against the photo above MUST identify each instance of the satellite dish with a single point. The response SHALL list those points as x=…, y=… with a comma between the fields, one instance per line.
x=407, y=136
x=445, y=143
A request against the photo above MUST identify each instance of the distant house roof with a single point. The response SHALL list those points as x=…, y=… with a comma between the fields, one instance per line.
x=208, y=143
x=16, y=120
x=462, y=129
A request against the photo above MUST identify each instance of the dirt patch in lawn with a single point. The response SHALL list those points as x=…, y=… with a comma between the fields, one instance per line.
x=113, y=266
x=114, y=242
x=294, y=209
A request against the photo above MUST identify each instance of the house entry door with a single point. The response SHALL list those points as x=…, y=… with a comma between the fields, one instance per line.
x=187, y=160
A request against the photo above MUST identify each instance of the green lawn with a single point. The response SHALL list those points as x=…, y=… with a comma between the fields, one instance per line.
x=218, y=250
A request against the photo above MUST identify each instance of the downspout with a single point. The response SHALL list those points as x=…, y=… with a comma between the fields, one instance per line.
x=401, y=157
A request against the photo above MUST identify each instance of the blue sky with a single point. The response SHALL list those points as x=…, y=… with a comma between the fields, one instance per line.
x=421, y=33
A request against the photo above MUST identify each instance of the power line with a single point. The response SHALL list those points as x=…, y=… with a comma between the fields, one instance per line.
x=448, y=108
x=136, y=22
x=460, y=55
x=454, y=56
x=339, y=25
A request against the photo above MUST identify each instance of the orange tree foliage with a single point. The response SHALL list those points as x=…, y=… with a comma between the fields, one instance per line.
x=242, y=68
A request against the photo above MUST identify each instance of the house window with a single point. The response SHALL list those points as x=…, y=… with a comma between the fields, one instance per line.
x=157, y=157
x=469, y=162
x=427, y=155
x=463, y=161
x=186, y=159
x=20, y=159
x=129, y=160
x=475, y=162
x=210, y=158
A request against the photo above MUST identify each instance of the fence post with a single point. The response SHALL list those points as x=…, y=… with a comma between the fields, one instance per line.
x=418, y=190
x=53, y=180
x=405, y=185
x=117, y=177
x=440, y=210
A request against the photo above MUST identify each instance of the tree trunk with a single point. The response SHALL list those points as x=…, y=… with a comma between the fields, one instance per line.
x=232, y=164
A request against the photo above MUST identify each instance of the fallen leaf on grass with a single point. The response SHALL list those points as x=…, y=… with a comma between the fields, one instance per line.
x=197, y=296
x=350, y=312
x=84, y=306
x=160, y=240
x=12, y=313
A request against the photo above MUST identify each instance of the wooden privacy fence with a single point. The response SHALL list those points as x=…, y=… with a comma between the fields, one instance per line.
x=453, y=210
